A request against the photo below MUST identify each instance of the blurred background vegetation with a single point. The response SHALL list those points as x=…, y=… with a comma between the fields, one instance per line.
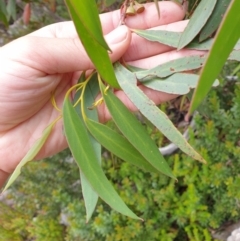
x=46, y=201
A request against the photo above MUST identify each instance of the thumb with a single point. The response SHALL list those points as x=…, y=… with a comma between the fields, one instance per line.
x=118, y=40
x=65, y=55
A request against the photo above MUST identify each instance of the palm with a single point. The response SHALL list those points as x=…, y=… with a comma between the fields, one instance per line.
x=29, y=111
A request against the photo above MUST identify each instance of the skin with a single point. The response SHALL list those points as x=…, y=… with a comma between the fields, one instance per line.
x=51, y=59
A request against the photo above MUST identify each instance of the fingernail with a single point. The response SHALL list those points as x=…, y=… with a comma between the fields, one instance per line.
x=117, y=35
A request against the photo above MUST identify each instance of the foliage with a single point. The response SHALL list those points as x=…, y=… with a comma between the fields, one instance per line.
x=214, y=62
x=37, y=205
x=185, y=207
x=189, y=209
x=86, y=20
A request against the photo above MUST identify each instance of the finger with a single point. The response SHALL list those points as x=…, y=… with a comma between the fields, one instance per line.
x=57, y=56
x=169, y=12
x=141, y=48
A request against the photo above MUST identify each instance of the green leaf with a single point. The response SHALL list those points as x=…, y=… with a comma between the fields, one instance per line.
x=135, y=132
x=214, y=20
x=197, y=21
x=87, y=13
x=11, y=9
x=162, y=36
x=179, y=83
x=3, y=7
x=90, y=196
x=134, y=68
x=226, y=38
x=128, y=83
x=205, y=45
x=118, y=145
x=3, y=13
x=171, y=67
x=172, y=38
x=84, y=154
x=30, y=155
x=3, y=18
x=91, y=45
x=235, y=70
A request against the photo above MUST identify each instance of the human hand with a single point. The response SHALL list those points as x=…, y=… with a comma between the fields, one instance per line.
x=51, y=59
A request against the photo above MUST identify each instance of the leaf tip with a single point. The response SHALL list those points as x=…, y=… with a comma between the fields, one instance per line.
x=4, y=189
x=180, y=47
x=202, y=160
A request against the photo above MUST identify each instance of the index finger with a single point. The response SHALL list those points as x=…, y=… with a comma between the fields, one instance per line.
x=169, y=12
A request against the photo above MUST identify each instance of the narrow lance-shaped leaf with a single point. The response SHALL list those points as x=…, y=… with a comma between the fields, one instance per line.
x=214, y=20
x=171, y=67
x=134, y=68
x=179, y=83
x=87, y=13
x=3, y=13
x=128, y=83
x=226, y=37
x=11, y=8
x=205, y=45
x=172, y=39
x=103, y=64
x=83, y=153
x=197, y=21
x=30, y=154
x=118, y=145
x=89, y=194
x=162, y=36
x=235, y=70
x=135, y=132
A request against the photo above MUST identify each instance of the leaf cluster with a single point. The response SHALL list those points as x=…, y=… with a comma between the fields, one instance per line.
x=85, y=135
x=190, y=209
